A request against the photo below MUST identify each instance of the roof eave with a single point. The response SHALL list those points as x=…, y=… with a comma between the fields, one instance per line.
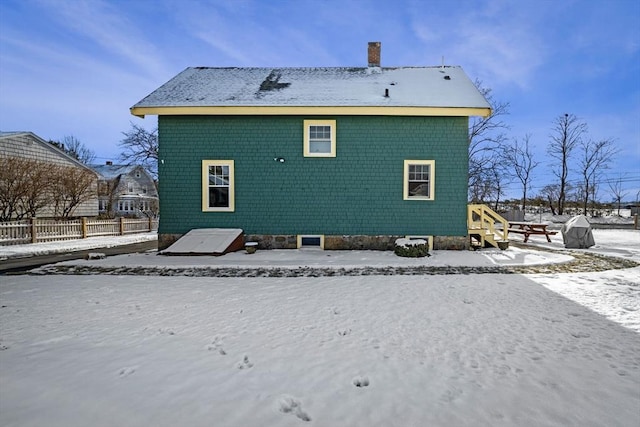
x=311, y=110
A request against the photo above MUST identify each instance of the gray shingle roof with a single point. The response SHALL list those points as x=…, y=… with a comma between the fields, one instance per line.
x=110, y=172
x=447, y=87
x=8, y=134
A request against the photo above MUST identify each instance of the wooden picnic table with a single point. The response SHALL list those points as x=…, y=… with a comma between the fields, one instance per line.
x=530, y=228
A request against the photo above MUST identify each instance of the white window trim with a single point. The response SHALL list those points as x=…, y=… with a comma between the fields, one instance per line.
x=205, y=185
x=432, y=179
x=301, y=236
x=307, y=124
x=126, y=205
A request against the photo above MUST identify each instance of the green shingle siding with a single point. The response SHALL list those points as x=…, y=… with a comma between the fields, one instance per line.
x=357, y=192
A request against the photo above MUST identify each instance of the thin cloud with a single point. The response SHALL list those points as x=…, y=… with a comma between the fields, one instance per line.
x=102, y=23
x=281, y=42
x=502, y=51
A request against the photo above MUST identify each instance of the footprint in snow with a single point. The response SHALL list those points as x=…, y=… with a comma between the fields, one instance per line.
x=216, y=344
x=450, y=395
x=126, y=371
x=361, y=381
x=291, y=405
x=580, y=335
x=245, y=364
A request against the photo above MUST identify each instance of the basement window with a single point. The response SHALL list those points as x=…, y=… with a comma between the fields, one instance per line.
x=218, y=186
x=310, y=241
x=320, y=138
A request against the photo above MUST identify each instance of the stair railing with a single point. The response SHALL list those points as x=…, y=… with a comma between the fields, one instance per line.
x=482, y=217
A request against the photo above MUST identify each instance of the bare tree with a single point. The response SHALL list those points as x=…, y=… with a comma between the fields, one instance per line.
x=73, y=187
x=480, y=187
x=14, y=185
x=499, y=182
x=76, y=149
x=596, y=157
x=24, y=187
x=489, y=182
x=550, y=194
x=486, y=136
x=618, y=193
x=107, y=190
x=519, y=156
x=567, y=133
x=140, y=147
x=38, y=193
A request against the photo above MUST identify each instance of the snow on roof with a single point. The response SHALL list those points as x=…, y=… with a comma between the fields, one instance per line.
x=110, y=172
x=447, y=87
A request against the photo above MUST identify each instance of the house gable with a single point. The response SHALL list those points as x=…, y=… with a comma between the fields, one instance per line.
x=126, y=190
x=27, y=145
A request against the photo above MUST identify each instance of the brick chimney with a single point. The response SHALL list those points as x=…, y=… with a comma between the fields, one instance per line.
x=374, y=54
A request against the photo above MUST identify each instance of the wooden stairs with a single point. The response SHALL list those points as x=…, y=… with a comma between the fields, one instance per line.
x=486, y=228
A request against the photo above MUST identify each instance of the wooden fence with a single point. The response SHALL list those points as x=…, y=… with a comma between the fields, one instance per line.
x=44, y=230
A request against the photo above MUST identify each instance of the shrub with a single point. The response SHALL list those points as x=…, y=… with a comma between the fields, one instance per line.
x=411, y=248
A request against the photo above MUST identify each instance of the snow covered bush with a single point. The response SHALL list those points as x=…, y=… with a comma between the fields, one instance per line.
x=412, y=248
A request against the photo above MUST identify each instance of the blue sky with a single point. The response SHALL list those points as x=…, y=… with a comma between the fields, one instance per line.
x=75, y=67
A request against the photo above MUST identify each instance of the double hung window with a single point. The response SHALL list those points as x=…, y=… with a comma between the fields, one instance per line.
x=319, y=138
x=419, y=183
x=217, y=186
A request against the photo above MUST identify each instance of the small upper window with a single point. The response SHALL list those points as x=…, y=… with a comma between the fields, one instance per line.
x=217, y=186
x=419, y=182
x=319, y=138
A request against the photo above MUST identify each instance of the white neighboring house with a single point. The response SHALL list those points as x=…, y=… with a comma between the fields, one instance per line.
x=29, y=146
x=126, y=191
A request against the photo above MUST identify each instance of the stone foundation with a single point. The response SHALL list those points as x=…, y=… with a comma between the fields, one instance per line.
x=452, y=243
x=374, y=243
x=357, y=242
x=166, y=240
x=271, y=241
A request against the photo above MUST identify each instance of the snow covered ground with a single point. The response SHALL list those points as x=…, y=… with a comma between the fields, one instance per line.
x=551, y=349
x=17, y=251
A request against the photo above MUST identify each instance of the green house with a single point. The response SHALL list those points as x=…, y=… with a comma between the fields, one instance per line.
x=340, y=158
